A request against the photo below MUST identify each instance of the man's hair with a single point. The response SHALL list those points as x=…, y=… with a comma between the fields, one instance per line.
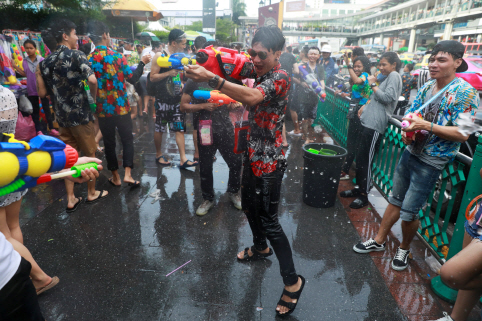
x=270, y=37
x=86, y=48
x=54, y=34
x=358, y=51
x=30, y=42
x=409, y=67
x=392, y=58
x=435, y=52
x=296, y=51
x=155, y=44
x=289, y=49
x=96, y=29
x=305, y=50
x=138, y=46
x=214, y=43
x=199, y=42
x=176, y=35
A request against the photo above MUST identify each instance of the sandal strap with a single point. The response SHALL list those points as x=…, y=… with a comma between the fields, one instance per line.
x=246, y=255
x=289, y=305
x=292, y=295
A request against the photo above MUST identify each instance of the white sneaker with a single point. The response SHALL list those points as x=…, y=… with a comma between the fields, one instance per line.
x=445, y=318
x=236, y=199
x=344, y=177
x=400, y=261
x=204, y=208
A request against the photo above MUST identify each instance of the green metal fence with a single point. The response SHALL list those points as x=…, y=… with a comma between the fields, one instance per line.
x=459, y=183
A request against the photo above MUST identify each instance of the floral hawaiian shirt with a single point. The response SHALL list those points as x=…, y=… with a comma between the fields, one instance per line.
x=111, y=70
x=64, y=72
x=408, y=83
x=459, y=98
x=266, y=120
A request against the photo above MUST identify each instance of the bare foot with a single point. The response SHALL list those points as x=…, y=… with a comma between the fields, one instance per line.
x=72, y=201
x=292, y=288
x=241, y=254
x=115, y=180
x=96, y=195
x=42, y=282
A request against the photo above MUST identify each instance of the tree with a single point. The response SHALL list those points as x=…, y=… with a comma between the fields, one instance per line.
x=195, y=26
x=239, y=9
x=225, y=30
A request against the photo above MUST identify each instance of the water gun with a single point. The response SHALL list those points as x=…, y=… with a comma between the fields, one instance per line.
x=25, y=165
x=215, y=97
x=6, y=68
x=24, y=52
x=17, y=57
x=312, y=82
x=175, y=61
x=226, y=62
x=406, y=123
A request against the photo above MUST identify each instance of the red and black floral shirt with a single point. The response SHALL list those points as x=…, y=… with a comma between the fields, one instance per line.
x=265, y=153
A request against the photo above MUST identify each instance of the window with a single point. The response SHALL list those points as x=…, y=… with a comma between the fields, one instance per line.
x=350, y=11
x=325, y=12
x=342, y=12
x=333, y=12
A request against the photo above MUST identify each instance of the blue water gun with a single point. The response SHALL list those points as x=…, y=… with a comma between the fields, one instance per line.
x=175, y=61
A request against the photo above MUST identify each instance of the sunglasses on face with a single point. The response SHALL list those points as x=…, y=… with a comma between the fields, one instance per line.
x=262, y=54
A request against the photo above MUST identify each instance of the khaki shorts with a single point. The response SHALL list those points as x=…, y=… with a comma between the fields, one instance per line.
x=81, y=138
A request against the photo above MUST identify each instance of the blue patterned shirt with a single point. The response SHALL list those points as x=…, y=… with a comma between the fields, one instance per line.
x=459, y=98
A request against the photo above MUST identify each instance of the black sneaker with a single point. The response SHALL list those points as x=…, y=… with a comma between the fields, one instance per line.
x=400, y=261
x=368, y=246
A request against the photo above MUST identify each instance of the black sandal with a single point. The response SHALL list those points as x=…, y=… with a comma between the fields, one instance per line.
x=291, y=295
x=351, y=193
x=256, y=255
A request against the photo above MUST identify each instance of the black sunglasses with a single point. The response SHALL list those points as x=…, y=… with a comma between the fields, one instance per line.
x=262, y=54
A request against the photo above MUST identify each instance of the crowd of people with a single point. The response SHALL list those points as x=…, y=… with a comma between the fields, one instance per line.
x=128, y=83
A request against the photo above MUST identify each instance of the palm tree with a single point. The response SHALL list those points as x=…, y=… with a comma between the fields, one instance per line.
x=239, y=9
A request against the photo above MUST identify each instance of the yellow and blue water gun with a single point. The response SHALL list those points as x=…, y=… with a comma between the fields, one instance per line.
x=176, y=61
x=26, y=165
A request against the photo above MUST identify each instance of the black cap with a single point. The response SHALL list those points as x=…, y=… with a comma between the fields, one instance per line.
x=453, y=47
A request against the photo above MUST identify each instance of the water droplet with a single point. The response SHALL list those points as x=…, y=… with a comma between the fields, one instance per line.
x=296, y=167
x=334, y=181
x=321, y=173
x=312, y=172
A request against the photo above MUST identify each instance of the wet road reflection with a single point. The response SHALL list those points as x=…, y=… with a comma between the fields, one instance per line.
x=112, y=257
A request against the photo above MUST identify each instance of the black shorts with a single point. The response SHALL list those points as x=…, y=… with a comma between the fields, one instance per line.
x=18, y=298
x=167, y=114
x=307, y=111
x=141, y=86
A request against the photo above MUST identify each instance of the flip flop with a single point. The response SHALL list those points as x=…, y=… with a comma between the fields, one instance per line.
x=111, y=180
x=76, y=206
x=185, y=165
x=135, y=184
x=285, y=146
x=294, y=134
x=101, y=196
x=100, y=149
x=54, y=282
x=165, y=159
x=196, y=159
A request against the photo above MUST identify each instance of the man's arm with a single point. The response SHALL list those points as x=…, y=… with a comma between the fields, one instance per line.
x=445, y=132
x=187, y=107
x=41, y=89
x=245, y=95
x=134, y=77
x=93, y=86
x=155, y=76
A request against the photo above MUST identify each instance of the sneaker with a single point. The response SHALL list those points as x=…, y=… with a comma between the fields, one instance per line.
x=445, y=318
x=204, y=208
x=368, y=246
x=39, y=133
x=236, y=199
x=400, y=261
x=344, y=176
x=54, y=133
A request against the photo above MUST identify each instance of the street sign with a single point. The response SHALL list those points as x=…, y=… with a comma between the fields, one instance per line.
x=209, y=16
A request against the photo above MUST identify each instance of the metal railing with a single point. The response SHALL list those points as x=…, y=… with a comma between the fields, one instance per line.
x=459, y=183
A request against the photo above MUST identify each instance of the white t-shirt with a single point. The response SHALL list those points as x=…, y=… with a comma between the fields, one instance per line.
x=147, y=51
x=9, y=261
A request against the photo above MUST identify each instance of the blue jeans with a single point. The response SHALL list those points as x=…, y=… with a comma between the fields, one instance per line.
x=412, y=184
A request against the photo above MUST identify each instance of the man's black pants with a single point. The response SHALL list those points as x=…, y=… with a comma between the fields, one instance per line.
x=18, y=298
x=260, y=198
x=223, y=140
x=355, y=128
x=368, y=144
x=40, y=126
x=108, y=126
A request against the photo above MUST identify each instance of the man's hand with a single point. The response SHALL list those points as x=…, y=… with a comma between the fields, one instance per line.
x=233, y=106
x=173, y=72
x=372, y=79
x=416, y=123
x=407, y=140
x=87, y=174
x=360, y=111
x=305, y=85
x=346, y=59
x=146, y=59
x=198, y=73
x=210, y=106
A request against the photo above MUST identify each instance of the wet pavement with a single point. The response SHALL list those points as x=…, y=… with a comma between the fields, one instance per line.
x=113, y=257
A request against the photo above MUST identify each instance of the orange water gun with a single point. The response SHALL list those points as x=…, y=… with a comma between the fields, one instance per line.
x=215, y=97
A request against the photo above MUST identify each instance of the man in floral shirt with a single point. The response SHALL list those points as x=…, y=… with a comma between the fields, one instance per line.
x=113, y=110
x=264, y=161
x=62, y=76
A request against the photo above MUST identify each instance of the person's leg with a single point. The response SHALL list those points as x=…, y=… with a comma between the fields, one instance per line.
x=352, y=143
x=285, y=141
x=39, y=277
x=18, y=298
x=196, y=146
x=48, y=114
x=368, y=146
x=36, y=110
x=464, y=272
x=206, y=154
x=67, y=137
x=124, y=128
x=224, y=142
x=178, y=125
x=390, y=217
x=296, y=124
x=107, y=126
x=98, y=134
x=13, y=222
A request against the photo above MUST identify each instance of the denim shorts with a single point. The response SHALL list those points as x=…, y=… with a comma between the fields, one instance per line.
x=412, y=184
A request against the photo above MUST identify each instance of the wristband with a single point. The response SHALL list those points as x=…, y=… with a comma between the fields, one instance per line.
x=222, y=84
